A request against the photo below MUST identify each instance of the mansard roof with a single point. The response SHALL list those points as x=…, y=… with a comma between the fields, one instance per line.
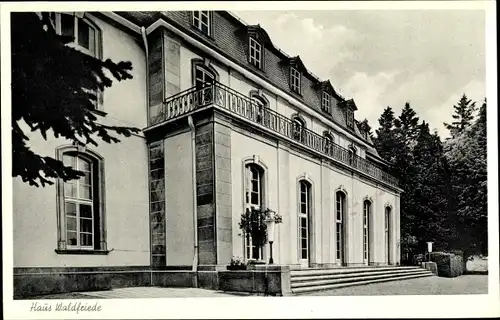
x=349, y=104
x=229, y=38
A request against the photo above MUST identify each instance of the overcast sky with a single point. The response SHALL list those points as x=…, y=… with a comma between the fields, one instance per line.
x=385, y=58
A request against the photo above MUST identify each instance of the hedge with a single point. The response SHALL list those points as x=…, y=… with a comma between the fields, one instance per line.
x=449, y=264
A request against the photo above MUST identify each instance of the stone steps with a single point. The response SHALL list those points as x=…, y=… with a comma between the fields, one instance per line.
x=323, y=279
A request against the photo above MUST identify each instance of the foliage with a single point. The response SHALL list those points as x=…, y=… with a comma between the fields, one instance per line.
x=237, y=263
x=449, y=265
x=54, y=91
x=252, y=223
x=463, y=115
x=444, y=197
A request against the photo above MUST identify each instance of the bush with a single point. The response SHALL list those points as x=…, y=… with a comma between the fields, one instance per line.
x=237, y=263
x=449, y=264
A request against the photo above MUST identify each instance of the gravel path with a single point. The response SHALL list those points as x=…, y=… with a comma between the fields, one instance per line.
x=465, y=284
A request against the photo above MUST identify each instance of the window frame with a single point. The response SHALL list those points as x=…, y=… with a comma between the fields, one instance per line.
x=253, y=44
x=98, y=203
x=367, y=212
x=326, y=101
x=350, y=118
x=295, y=80
x=197, y=22
x=304, y=216
x=298, y=131
x=56, y=19
x=249, y=248
x=340, y=215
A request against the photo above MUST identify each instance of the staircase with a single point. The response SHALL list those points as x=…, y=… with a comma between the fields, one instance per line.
x=315, y=279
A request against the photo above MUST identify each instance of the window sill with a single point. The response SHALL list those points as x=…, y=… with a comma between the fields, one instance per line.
x=81, y=251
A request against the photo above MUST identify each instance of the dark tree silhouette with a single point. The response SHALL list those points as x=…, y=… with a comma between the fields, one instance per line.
x=54, y=91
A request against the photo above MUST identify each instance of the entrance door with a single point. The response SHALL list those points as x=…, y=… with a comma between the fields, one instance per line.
x=366, y=231
x=304, y=223
x=388, y=234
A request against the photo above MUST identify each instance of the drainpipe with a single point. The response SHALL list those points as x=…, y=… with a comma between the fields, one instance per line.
x=195, y=211
x=146, y=49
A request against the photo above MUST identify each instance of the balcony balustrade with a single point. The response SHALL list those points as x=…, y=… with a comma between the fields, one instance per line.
x=238, y=104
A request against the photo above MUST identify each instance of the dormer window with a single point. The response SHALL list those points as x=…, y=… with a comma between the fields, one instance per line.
x=350, y=119
x=202, y=21
x=325, y=102
x=255, y=54
x=295, y=80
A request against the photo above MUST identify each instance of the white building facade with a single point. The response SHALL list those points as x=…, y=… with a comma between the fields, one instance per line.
x=229, y=121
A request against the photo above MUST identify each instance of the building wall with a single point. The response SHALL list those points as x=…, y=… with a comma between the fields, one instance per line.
x=285, y=167
x=126, y=173
x=179, y=199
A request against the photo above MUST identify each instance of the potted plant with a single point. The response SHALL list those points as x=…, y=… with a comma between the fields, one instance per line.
x=254, y=224
x=237, y=263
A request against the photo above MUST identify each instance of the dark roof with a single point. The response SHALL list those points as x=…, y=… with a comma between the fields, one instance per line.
x=230, y=39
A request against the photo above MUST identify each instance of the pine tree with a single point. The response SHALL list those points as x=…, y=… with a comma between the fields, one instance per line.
x=407, y=124
x=467, y=155
x=463, y=115
x=385, y=140
x=54, y=91
x=365, y=127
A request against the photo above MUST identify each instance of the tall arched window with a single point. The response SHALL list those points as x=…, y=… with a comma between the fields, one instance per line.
x=304, y=219
x=340, y=215
x=298, y=126
x=387, y=234
x=367, y=207
x=80, y=203
x=254, y=198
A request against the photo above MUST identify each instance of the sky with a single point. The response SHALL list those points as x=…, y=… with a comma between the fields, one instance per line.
x=387, y=58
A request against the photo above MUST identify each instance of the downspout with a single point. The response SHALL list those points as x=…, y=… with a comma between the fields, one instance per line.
x=195, y=206
x=146, y=49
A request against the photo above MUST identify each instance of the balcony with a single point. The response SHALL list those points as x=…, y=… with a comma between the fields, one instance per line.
x=226, y=99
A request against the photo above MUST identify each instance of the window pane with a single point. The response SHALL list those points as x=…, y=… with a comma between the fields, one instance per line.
x=69, y=161
x=85, y=211
x=83, y=34
x=303, y=222
x=86, y=179
x=303, y=197
x=204, y=28
x=86, y=239
x=86, y=225
x=254, y=198
x=303, y=208
x=69, y=189
x=304, y=243
x=67, y=25
x=303, y=232
x=70, y=209
x=255, y=186
x=71, y=223
x=204, y=17
x=85, y=191
x=83, y=165
x=71, y=238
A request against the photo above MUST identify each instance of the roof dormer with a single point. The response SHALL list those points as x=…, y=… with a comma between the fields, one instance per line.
x=349, y=106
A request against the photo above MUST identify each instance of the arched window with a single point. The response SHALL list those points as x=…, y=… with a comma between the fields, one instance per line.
x=340, y=215
x=387, y=234
x=81, y=222
x=203, y=76
x=260, y=105
x=328, y=142
x=367, y=207
x=254, y=198
x=304, y=219
x=298, y=128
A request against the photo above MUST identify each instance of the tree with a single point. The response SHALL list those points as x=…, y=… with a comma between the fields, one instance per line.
x=364, y=126
x=54, y=91
x=467, y=155
x=407, y=124
x=463, y=115
x=385, y=140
